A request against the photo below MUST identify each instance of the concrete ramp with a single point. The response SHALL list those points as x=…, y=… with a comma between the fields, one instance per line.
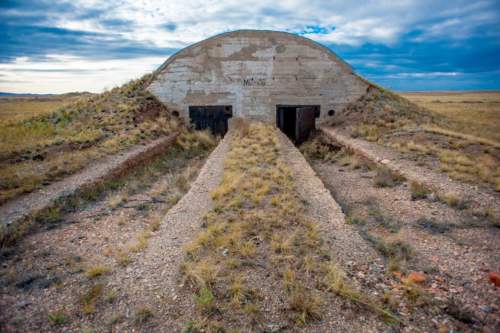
x=344, y=241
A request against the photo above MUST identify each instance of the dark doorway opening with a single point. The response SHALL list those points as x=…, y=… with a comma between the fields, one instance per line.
x=213, y=117
x=297, y=121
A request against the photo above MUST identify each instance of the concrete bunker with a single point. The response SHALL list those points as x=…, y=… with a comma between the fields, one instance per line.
x=275, y=77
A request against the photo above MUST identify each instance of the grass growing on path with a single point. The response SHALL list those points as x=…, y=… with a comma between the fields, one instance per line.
x=258, y=237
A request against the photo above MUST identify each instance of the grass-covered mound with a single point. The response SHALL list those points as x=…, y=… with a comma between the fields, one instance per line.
x=434, y=139
x=44, y=148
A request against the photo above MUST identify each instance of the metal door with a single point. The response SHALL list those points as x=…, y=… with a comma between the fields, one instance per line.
x=213, y=117
x=304, y=123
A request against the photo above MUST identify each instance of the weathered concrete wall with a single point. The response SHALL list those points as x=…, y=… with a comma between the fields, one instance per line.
x=254, y=71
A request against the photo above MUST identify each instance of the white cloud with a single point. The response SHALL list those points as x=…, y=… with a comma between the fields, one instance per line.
x=341, y=22
x=422, y=75
x=63, y=73
x=377, y=21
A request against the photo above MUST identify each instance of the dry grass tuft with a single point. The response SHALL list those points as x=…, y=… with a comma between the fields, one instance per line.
x=90, y=298
x=453, y=200
x=142, y=315
x=58, y=318
x=419, y=190
x=386, y=178
x=96, y=271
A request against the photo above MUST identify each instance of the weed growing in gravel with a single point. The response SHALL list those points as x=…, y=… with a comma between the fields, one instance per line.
x=142, y=315
x=122, y=258
x=318, y=148
x=96, y=271
x=453, y=200
x=155, y=222
x=141, y=241
x=386, y=178
x=58, y=318
x=432, y=226
x=396, y=251
x=205, y=300
x=90, y=298
x=110, y=296
x=117, y=200
x=354, y=220
x=418, y=190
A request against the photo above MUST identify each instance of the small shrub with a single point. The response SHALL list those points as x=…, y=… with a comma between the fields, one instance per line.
x=89, y=299
x=123, y=258
x=385, y=178
x=418, y=191
x=96, y=271
x=58, y=318
x=51, y=215
x=200, y=274
x=453, y=200
x=205, y=300
x=307, y=306
x=155, y=223
x=319, y=150
x=492, y=217
x=141, y=242
x=355, y=220
x=142, y=315
x=248, y=249
x=182, y=183
x=433, y=226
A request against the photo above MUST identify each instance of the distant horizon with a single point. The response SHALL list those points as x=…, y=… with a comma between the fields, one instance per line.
x=422, y=45
x=7, y=93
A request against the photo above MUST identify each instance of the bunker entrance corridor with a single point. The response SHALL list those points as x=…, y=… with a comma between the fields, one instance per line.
x=213, y=117
x=297, y=121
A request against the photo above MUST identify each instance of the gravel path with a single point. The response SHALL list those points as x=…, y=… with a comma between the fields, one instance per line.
x=353, y=254
x=441, y=184
x=28, y=205
x=155, y=279
x=46, y=271
x=453, y=247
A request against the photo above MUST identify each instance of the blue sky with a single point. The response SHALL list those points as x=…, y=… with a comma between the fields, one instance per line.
x=58, y=46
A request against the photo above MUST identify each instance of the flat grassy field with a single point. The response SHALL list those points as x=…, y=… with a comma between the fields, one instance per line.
x=472, y=113
x=21, y=108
